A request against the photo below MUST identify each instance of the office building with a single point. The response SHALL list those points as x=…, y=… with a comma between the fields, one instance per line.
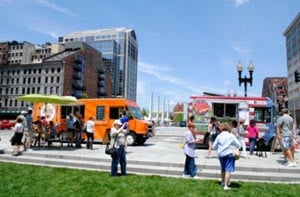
x=77, y=71
x=292, y=42
x=276, y=88
x=119, y=48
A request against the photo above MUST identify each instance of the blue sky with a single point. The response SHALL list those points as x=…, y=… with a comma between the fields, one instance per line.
x=185, y=46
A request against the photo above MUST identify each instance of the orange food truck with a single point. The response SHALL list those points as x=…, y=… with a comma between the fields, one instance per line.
x=104, y=111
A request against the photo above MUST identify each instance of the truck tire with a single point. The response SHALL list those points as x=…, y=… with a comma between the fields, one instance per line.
x=131, y=139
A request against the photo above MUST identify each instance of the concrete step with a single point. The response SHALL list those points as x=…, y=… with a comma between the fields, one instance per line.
x=154, y=168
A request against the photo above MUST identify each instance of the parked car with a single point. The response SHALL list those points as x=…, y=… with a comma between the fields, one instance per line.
x=182, y=123
x=6, y=124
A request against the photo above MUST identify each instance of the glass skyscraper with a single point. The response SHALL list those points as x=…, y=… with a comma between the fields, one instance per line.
x=292, y=37
x=119, y=48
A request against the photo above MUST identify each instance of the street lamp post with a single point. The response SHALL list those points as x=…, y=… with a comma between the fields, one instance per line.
x=245, y=79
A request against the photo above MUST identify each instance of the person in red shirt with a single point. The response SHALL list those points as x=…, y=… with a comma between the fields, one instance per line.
x=253, y=135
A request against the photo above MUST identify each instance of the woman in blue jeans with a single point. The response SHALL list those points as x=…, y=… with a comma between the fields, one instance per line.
x=253, y=135
x=117, y=134
x=190, y=168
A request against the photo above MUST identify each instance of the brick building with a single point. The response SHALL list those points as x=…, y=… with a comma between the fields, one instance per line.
x=78, y=71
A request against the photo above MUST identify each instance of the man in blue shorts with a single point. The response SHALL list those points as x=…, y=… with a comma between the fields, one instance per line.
x=285, y=134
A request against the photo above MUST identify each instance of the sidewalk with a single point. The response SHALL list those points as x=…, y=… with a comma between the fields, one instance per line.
x=160, y=155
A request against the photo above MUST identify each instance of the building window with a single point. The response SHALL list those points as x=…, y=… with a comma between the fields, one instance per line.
x=46, y=80
x=45, y=90
x=52, y=79
x=57, y=79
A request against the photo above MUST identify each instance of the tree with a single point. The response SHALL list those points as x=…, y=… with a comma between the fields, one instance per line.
x=144, y=112
x=178, y=117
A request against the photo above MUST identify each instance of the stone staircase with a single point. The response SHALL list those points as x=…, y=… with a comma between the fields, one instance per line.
x=172, y=169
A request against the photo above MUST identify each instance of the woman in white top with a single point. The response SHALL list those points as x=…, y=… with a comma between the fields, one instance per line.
x=117, y=134
x=90, y=129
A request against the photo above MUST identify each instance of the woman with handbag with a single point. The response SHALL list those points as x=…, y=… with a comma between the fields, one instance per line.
x=224, y=145
x=117, y=136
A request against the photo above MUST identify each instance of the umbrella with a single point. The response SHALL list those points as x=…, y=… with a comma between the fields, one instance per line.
x=40, y=98
x=48, y=110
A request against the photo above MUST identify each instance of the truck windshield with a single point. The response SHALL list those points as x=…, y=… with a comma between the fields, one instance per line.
x=136, y=112
x=262, y=114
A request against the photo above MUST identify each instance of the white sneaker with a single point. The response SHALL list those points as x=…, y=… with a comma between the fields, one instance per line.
x=186, y=176
x=295, y=164
x=290, y=164
x=195, y=177
x=227, y=188
x=223, y=184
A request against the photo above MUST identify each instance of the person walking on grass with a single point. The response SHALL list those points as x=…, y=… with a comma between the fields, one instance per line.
x=190, y=169
x=223, y=144
x=285, y=134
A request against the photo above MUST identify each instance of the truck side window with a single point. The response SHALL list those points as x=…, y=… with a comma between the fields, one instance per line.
x=114, y=113
x=100, y=112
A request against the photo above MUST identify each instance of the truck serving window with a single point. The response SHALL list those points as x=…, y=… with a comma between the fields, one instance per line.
x=225, y=109
x=100, y=112
x=114, y=113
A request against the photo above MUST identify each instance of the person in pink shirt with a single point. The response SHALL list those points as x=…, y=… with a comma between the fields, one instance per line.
x=253, y=135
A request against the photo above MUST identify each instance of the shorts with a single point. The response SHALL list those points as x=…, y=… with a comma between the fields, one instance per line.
x=28, y=135
x=212, y=137
x=287, y=142
x=227, y=163
x=17, y=139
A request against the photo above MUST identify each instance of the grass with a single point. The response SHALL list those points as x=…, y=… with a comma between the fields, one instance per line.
x=29, y=180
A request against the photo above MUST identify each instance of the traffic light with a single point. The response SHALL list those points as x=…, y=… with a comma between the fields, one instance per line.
x=297, y=76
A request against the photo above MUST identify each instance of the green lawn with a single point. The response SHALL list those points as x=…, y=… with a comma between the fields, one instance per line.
x=29, y=180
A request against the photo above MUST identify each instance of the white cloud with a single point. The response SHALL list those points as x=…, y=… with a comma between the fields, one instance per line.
x=240, y=49
x=238, y=3
x=227, y=83
x=55, y=7
x=178, y=89
x=44, y=30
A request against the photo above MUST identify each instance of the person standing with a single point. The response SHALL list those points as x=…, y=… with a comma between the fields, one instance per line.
x=90, y=129
x=213, y=131
x=190, y=169
x=285, y=134
x=78, y=130
x=117, y=136
x=70, y=128
x=16, y=140
x=223, y=144
x=240, y=136
x=124, y=120
x=29, y=137
x=253, y=135
x=51, y=132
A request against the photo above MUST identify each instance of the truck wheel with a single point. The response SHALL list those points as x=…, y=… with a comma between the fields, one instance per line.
x=131, y=139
